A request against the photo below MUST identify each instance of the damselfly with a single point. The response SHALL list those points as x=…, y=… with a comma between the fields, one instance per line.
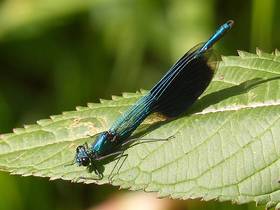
x=179, y=88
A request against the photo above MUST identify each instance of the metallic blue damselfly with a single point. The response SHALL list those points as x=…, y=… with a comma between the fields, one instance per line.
x=179, y=88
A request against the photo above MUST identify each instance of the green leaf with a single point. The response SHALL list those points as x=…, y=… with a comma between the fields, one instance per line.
x=226, y=146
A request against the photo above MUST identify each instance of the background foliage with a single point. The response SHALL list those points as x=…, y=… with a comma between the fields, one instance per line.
x=57, y=54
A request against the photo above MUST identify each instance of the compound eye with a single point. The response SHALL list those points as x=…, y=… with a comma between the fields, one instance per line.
x=85, y=161
x=79, y=148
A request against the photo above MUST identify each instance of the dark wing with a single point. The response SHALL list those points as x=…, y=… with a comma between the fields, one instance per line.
x=183, y=83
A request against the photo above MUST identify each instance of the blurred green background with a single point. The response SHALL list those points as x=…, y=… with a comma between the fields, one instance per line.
x=58, y=54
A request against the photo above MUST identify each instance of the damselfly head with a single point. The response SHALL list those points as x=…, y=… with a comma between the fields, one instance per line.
x=82, y=157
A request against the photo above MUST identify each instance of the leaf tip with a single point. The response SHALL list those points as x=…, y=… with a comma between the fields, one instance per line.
x=44, y=122
x=81, y=108
x=258, y=52
x=103, y=101
x=241, y=53
x=115, y=97
x=54, y=117
x=18, y=130
x=143, y=91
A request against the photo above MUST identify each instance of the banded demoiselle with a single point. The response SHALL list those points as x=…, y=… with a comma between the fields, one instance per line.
x=178, y=89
